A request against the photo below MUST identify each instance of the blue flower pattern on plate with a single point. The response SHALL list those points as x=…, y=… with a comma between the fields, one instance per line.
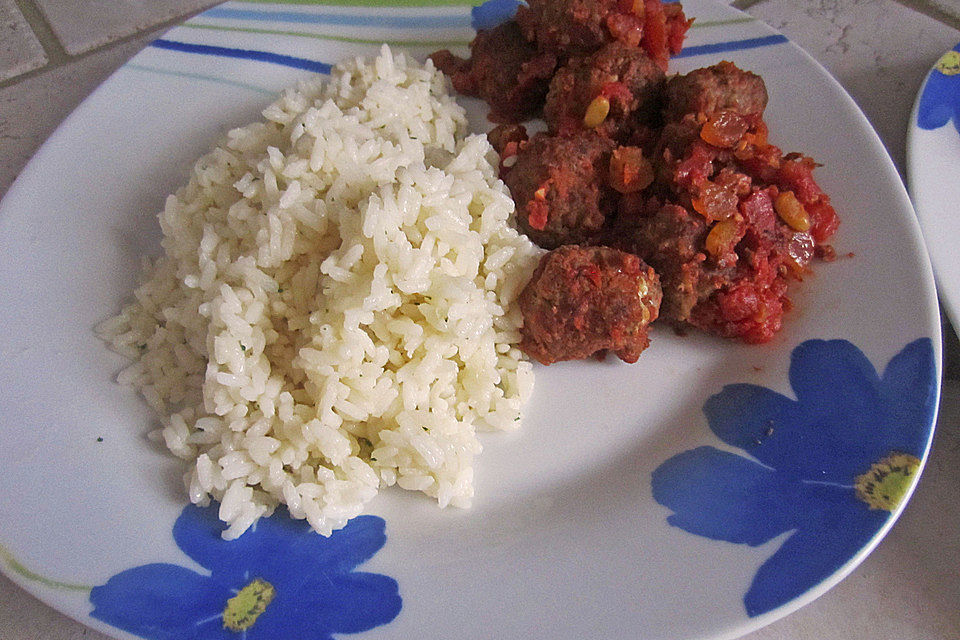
x=492, y=13
x=940, y=99
x=826, y=468
x=277, y=581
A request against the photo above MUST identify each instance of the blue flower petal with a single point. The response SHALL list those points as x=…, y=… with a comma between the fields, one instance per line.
x=325, y=605
x=314, y=591
x=912, y=371
x=493, y=13
x=854, y=416
x=935, y=109
x=940, y=100
x=725, y=496
x=275, y=545
x=811, y=555
x=198, y=533
x=821, y=441
x=910, y=390
x=341, y=552
x=162, y=602
x=810, y=450
x=752, y=418
x=835, y=372
x=845, y=417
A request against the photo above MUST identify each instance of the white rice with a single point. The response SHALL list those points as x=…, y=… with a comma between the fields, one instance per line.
x=334, y=310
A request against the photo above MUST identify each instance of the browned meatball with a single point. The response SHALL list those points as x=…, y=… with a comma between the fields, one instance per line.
x=506, y=138
x=722, y=87
x=625, y=77
x=577, y=27
x=582, y=300
x=672, y=240
x=559, y=186
x=728, y=277
x=504, y=70
x=580, y=27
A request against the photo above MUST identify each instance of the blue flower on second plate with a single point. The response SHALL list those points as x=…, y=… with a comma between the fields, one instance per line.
x=828, y=467
x=940, y=99
x=279, y=581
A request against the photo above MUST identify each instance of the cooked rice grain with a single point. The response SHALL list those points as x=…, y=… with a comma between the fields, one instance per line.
x=334, y=310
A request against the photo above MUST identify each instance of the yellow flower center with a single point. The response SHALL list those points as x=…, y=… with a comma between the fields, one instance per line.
x=243, y=609
x=949, y=63
x=887, y=482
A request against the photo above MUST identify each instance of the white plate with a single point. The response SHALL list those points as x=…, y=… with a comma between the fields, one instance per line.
x=638, y=501
x=933, y=156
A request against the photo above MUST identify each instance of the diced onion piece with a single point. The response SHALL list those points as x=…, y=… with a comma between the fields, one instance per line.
x=724, y=129
x=715, y=202
x=629, y=170
x=800, y=250
x=757, y=136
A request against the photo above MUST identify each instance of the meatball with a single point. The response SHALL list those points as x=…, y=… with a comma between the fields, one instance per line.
x=625, y=77
x=722, y=87
x=727, y=277
x=671, y=240
x=506, y=138
x=582, y=300
x=504, y=70
x=580, y=27
x=559, y=186
x=747, y=304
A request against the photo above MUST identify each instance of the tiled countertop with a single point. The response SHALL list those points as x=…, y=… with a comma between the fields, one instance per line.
x=53, y=53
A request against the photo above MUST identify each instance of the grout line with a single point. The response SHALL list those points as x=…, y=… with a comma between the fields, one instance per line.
x=743, y=5
x=60, y=57
x=933, y=12
x=56, y=54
